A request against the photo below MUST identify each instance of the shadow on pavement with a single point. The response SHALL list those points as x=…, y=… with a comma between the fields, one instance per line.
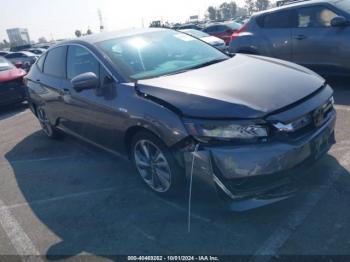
x=126, y=218
x=341, y=86
x=11, y=110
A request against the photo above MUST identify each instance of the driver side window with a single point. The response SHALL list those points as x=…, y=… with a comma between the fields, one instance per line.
x=79, y=61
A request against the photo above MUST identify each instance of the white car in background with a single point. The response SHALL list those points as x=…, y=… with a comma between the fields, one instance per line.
x=211, y=40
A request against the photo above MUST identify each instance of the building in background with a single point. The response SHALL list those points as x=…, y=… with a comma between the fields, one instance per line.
x=18, y=36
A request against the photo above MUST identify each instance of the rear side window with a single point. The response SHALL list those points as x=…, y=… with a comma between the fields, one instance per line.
x=281, y=19
x=222, y=28
x=55, y=62
x=40, y=63
x=210, y=29
x=79, y=61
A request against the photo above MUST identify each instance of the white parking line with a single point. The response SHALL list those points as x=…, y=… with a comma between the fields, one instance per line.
x=271, y=246
x=18, y=238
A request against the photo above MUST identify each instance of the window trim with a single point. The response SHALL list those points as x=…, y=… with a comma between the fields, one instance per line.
x=36, y=64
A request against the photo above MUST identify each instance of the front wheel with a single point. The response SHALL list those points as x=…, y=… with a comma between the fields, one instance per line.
x=46, y=126
x=155, y=164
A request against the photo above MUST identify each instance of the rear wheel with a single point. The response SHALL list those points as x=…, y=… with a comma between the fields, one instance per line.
x=155, y=164
x=46, y=126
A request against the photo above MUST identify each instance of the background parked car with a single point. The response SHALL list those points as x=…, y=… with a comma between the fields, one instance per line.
x=25, y=58
x=3, y=53
x=212, y=40
x=189, y=26
x=36, y=51
x=20, y=48
x=314, y=33
x=11, y=83
x=223, y=31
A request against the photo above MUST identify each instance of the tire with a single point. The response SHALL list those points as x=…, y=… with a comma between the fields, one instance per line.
x=156, y=165
x=49, y=130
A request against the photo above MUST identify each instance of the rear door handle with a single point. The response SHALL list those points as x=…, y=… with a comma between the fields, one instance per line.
x=299, y=37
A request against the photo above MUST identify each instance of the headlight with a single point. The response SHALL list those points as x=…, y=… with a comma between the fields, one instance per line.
x=226, y=130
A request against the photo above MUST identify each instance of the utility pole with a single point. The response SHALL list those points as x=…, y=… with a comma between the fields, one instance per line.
x=101, y=20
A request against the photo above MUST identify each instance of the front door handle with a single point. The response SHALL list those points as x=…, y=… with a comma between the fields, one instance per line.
x=300, y=37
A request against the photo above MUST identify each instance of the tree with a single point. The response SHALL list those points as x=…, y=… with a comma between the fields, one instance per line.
x=261, y=5
x=89, y=32
x=241, y=11
x=42, y=40
x=250, y=5
x=232, y=6
x=218, y=14
x=78, y=33
x=212, y=13
x=225, y=10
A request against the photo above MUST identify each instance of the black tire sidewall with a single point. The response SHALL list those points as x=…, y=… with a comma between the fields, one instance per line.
x=177, y=173
x=55, y=134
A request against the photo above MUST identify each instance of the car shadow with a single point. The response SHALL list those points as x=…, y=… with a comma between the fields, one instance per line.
x=341, y=87
x=121, y=216
x=11, y=110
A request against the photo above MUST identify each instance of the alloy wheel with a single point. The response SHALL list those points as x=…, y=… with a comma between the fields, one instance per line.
x=152, y=165
x=44, y=122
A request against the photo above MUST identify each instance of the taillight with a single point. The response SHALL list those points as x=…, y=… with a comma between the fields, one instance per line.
x=241, y=30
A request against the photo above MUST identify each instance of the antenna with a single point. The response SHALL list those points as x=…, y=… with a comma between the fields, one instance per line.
x=101, y=20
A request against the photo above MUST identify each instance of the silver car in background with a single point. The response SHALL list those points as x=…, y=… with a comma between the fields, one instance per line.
x=211, y=40
x=314, y=34
x=24, y=58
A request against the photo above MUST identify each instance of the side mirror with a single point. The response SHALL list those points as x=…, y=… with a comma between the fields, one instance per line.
x=339, y=21
x=18, y=64
x=85, y=81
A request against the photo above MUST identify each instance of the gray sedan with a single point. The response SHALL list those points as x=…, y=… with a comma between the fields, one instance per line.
x=179, y=108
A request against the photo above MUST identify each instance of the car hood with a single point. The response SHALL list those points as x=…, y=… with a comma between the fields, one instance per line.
x=11, y=74
x=244, y=86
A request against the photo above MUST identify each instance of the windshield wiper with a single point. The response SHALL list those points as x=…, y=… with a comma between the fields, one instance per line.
x=208, y=63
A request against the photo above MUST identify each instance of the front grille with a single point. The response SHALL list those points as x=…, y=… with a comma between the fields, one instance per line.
x=315, y=119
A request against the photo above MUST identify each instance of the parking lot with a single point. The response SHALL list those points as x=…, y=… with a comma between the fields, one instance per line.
x=67, y=198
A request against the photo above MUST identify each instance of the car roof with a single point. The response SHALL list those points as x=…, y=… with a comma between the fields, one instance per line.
x=296, y=4
x=24, y=52
x=100, y=37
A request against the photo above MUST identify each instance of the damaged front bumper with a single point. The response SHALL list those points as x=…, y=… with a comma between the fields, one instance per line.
x=251, y=176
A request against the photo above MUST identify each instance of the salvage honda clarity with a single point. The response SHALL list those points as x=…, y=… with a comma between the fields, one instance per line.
x=244, y=126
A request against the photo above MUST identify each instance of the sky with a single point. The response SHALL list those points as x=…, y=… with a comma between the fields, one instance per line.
x=59, y=19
